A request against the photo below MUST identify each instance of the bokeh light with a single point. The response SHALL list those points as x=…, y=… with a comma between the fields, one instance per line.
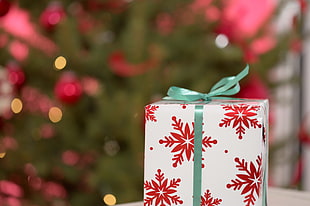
x=221, y=41
x=16, y=105
x=55, y=114
x=60, y=62
x=109, y=199
x=2, y=155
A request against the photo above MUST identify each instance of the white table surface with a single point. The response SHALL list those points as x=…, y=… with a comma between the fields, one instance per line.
x=276, y=197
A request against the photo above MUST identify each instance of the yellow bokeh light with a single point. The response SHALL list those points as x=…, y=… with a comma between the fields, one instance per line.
x=60, y=62
x=55, y=114
x=16, y=105
x=109, y=199
x=2, y=155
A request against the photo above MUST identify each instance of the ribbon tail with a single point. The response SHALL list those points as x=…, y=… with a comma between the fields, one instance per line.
x=224, y=86
x=243, y=73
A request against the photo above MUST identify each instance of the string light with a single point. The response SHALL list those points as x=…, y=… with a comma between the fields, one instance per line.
x=55, y=114
x=60, y=62
x=109, y=199
x=2, y=155
x=16, y=105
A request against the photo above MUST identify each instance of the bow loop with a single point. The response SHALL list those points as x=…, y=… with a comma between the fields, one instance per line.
x=226, y=86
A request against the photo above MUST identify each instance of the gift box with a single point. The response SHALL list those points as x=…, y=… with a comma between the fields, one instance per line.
x=228, y=138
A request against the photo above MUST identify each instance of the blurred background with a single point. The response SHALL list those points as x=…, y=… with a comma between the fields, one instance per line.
x=75, y=77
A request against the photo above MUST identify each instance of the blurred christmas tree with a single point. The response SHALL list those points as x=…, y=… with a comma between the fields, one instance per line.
x=77, y=74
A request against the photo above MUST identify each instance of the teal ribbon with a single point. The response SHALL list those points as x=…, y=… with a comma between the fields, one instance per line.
x=197, y=154
x=226, y=86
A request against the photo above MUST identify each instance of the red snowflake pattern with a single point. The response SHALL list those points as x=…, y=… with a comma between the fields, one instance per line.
x=150, y=113
x=249, y=182
x=182, y=141
x=208, y=200
x=162, y=191
x=240, y=116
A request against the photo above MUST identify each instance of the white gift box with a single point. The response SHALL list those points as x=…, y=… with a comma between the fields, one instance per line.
x=234, y=153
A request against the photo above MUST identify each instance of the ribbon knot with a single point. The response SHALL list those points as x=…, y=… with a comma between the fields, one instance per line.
x=226, y=86
x=206, y=97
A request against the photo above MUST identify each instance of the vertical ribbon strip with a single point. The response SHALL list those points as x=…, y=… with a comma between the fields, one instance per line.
x=197, y=154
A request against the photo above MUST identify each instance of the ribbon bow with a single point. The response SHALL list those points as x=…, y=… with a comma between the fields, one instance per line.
x=226, y=86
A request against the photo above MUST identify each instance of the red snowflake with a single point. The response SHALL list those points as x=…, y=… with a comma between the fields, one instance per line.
x=249, y=182
x=182, y=141
x=162, y=191
x=241, y=116
x=207, y=200
x=150, y=113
